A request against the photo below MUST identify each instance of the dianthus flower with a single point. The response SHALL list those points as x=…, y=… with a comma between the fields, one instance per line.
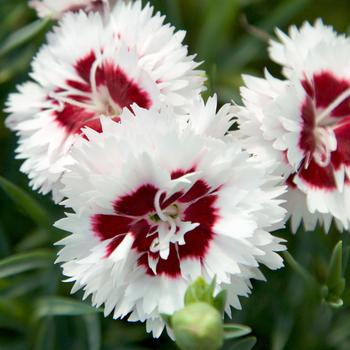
x=133, y=57
x=158, y=201
x=303, y=123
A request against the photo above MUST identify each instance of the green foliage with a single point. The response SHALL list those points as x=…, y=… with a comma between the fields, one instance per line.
x=244, y=344
x=23, y=35
x=232, y=330
x=23, y=262
x=24, y=202
x=293, y=310
x=335, y=283
x=58, y=306
x=200, y=291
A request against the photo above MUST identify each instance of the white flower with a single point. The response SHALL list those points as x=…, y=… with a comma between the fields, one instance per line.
x=56, y=8
x=157, y=203
x=76, y=78
x=292, y=50
x=303, y=124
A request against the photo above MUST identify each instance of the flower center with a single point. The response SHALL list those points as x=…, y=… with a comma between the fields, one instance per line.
x=325, y=144
x=325, y=139
x=158, y=224
x=170, y=227
x=99, y=100
x=326, y=106
x=101, y=96
x=103, y=88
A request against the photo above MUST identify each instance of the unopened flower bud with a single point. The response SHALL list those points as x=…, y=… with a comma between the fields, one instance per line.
x=198, y=326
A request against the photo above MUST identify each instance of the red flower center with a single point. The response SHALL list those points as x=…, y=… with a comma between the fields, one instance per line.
x=103, y=88
x=325, y=137
x=165, y=229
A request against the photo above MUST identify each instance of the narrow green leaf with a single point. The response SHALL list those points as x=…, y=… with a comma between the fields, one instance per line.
x=93, y=328
x=233, y=330
x=282, y=330
x=12, y=18
x=59, y=306
x=44, y=335
x=15, y=66
x=24, y=262
x=215, y=27
x=25, y=202
x=211, y=287
x=244, y=344
x=21, y=286
x=220, y=301
x=335, y=281
x=23, y=35
x=34, y=239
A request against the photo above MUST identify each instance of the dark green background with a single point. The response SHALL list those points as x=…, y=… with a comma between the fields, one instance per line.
x=284, y=312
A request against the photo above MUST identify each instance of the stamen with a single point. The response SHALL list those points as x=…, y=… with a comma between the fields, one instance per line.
x=98, y=93
x=115, y=107
x=326, y=143
x=161, y=243
x=308, y=158
x=93, y=73
x=67, y=100
x=152, y=263
x=340, y=99
x=325, y=139
x=159, y=211
x=154, y=245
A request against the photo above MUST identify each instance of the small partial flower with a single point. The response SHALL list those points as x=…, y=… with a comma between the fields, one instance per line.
x=291, y=51
x=157, y=202
x=57, y=8
x=303, y=123
x=132, y=58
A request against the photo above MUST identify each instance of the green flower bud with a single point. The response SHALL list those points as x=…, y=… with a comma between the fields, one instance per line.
x=198, y=326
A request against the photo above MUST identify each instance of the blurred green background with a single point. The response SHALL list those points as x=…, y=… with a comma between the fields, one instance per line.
x=36, y=309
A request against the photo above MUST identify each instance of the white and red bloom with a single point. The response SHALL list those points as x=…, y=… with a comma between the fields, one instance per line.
x=57, y=8
x=304, y=124
x=77, y=78
x=156, y=203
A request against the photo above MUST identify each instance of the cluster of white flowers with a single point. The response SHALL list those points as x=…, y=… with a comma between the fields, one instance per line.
x=159, y=190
